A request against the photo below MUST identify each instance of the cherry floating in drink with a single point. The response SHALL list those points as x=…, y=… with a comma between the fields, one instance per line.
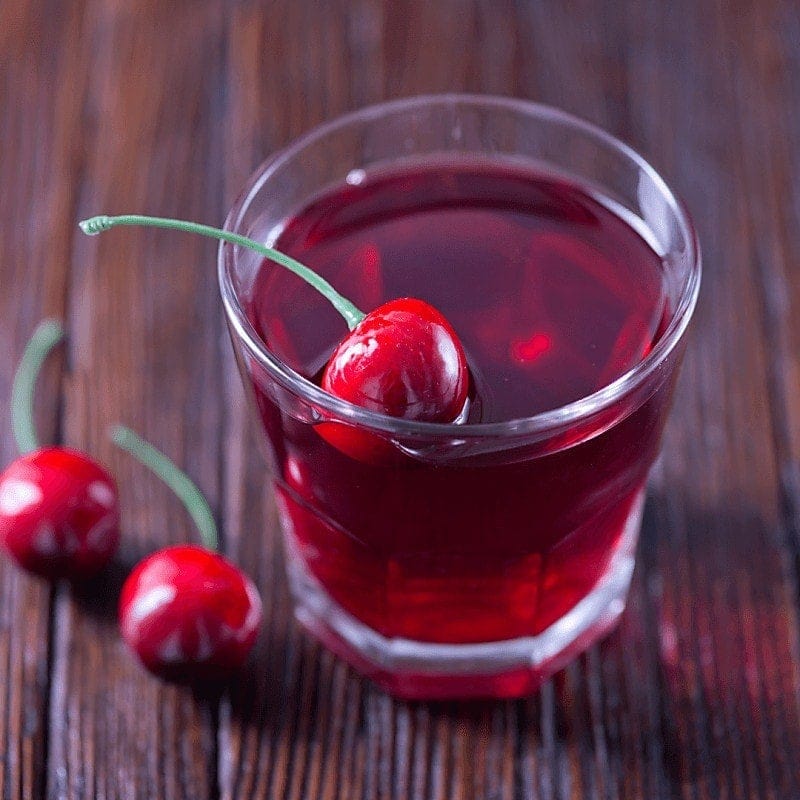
x=403, y=360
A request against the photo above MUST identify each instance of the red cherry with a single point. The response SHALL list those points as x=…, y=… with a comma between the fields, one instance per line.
x=403, y=360
x=59, y=513
x=189, y=614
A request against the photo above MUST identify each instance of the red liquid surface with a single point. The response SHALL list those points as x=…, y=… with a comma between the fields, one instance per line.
x=553, y=296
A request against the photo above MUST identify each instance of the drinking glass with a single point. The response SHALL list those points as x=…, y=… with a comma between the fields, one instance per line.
x=474, y=560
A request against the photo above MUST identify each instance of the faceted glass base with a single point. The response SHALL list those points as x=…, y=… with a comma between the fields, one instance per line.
x=424, y=670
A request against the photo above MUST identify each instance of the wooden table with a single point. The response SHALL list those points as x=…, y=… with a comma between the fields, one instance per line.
x=166, y=107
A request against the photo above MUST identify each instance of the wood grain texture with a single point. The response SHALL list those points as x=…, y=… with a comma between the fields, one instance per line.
x=34, y=257
x=167, y=108
x=144, y=349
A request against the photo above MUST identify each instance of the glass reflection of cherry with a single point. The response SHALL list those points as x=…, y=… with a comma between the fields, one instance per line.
x=59, y=509
x=402, y=359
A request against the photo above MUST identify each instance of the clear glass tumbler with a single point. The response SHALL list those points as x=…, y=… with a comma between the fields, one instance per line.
x=516, y=538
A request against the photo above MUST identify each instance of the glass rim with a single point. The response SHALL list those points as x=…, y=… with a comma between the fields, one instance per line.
x=545, y=422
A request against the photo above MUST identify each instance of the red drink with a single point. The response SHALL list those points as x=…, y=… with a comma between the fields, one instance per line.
x=553, y=296
x=453, y=560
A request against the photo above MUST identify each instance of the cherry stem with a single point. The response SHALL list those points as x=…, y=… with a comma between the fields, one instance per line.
x=181, y=484
x=46, y=336
x=351, y=314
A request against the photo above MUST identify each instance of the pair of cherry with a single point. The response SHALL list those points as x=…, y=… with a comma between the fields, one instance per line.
x=187, y=612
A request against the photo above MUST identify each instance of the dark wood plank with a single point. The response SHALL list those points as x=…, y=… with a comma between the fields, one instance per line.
x=728, y=600
x=36, y=207
x=145, y=331
x=766, y=83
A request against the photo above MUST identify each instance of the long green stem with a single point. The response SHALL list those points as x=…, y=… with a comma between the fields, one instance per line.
x=46, y=336
x=177, y=480
x=351, y=314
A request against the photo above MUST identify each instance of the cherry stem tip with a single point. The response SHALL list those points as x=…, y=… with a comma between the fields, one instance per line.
x=96, y=225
